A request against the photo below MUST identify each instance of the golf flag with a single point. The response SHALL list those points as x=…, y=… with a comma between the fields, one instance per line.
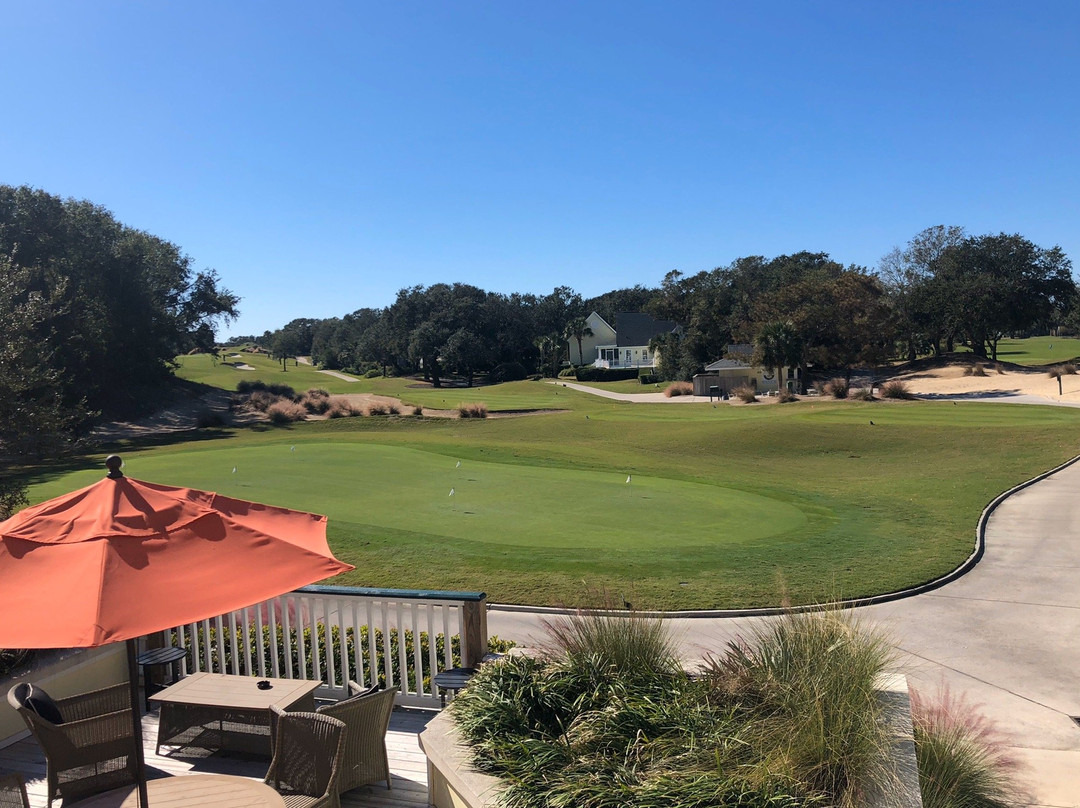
x=628, y=477
x=451, y=492
x=458, y=465
x=234, y=469
x=292, y=448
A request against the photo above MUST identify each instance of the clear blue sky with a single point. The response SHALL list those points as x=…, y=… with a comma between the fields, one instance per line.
x=321, y=156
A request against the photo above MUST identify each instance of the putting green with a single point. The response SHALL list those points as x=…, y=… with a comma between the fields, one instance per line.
x=493, y=503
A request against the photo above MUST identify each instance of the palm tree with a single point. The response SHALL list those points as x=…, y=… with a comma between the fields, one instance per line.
x=547, y=346
x=578, y=329
x=778, y=345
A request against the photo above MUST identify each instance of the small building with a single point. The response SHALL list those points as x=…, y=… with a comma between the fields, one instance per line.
x=737, y=370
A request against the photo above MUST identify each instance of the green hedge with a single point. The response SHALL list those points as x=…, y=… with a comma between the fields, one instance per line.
x=594, y=374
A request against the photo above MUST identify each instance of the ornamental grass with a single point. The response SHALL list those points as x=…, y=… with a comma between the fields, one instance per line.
x=606, y=717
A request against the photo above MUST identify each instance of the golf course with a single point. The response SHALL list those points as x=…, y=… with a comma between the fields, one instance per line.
x=658, y=506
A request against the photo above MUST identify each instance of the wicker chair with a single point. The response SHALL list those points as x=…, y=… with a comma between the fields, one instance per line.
x=366, y=717
x=13, y=792
x=93, y=750
x=307, y=758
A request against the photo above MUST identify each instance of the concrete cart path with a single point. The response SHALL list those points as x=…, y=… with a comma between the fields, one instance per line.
x=646, y=398
x=1006, y=635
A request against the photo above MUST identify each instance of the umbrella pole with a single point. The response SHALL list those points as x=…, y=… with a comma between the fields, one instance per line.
x=136, y=721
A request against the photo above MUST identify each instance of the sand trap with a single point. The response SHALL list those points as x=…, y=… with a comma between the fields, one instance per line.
x=951, y=381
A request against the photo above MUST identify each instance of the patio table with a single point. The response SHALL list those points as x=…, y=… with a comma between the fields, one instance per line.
x=201, y=790
x=216, y=711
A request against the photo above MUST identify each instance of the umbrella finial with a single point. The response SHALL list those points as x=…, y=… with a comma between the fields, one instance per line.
x=113, y=464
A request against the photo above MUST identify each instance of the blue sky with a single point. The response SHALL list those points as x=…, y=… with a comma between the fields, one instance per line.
x=321, y=156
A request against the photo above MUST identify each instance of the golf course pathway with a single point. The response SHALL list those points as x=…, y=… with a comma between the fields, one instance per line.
x=1006, y=636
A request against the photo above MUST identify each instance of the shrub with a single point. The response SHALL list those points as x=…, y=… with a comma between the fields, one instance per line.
x=284, y=411
x=377, y=408
x=962, y=758
x=679, y=389
x=208, y=418
x=786, y=397
x=819, y=387
x=630, y=646
x=474, y=410
x=418, y=411
x=508, y=372
x=262, y=400
x=1069, y=368
x=825, y=666
x=373, y=373
x=745, y=394
x=978, y=370
x=393, y=409
x=568, y=373
x=837, y=388
x=896, y=389
x=316, y=401
x=589, y=373
x=862, y=394
x=649, y=378
x=341, y=407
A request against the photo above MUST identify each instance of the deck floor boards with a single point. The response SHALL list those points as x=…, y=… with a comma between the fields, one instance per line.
x=408, y=768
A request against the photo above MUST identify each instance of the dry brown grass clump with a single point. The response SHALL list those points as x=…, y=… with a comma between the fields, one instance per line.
x=285, y=412
x=377, y=408
x=679, y=389
x=745, y=394
x=975, y=370
x=262, y=401
x=862, y=394
x=473, y=410
x=341, y=407
x=1067, y=369
x=896, y=389
x=418, y=411
x=837, y=388
x=316, y=401
x=786, y=397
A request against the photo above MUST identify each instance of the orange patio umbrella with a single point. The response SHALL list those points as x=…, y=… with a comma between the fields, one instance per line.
x=123, y=558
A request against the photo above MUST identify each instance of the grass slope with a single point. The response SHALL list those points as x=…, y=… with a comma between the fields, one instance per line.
x=1037, y=350
x=730, y=506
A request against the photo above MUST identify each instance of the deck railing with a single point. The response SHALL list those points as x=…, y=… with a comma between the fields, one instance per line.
x=395, y=637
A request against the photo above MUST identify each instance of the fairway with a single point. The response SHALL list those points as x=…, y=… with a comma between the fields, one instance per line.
x=727, y=506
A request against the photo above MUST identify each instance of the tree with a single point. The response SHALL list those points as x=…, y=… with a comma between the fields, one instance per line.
x=577, y=328
x=126, y=302
x=778, y=345
x=548, y=345
x=996, y=285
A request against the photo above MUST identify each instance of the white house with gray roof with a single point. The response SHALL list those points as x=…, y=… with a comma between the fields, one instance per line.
x=624, y=346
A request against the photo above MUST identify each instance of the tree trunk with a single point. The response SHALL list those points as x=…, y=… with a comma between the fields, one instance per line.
x=580, y=351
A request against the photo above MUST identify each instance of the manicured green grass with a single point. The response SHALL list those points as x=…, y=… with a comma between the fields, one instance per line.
x=728, y=506
x=498, y=397
x=1038, y=350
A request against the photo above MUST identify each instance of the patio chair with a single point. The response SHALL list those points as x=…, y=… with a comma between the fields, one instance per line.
x=366, y=715
x=13, y=792
x=307, y=758
x=92, y=747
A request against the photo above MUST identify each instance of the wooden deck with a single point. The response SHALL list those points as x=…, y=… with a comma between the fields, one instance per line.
x=407, y=765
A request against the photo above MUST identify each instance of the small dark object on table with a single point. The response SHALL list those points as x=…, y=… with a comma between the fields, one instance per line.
x=264, y=684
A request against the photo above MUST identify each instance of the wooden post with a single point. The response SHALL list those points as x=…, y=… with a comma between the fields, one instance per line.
x=474, y=636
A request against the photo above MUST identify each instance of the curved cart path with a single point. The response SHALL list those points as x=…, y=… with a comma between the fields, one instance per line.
x=1007, y=634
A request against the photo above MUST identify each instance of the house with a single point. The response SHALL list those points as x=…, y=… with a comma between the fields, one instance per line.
x=602, y=334
x=624, y=346
x=737, y=370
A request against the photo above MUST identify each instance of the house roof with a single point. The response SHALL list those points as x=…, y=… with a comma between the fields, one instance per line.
x=739, y=349
x=723, y=364
x=637, y=328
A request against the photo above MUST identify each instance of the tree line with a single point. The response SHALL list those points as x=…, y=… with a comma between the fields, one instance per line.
x=943, y=289
x=94, y=314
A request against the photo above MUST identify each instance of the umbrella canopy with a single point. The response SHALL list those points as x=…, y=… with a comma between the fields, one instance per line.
x=123, y=558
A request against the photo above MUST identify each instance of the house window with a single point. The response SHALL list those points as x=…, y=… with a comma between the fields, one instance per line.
x=645, y=357
x=628, y=360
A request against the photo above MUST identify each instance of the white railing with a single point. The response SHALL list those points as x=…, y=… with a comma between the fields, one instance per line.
x=333, y=634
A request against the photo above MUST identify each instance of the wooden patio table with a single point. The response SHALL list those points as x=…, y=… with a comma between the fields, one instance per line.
x=200, y=790
x=215, y=711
